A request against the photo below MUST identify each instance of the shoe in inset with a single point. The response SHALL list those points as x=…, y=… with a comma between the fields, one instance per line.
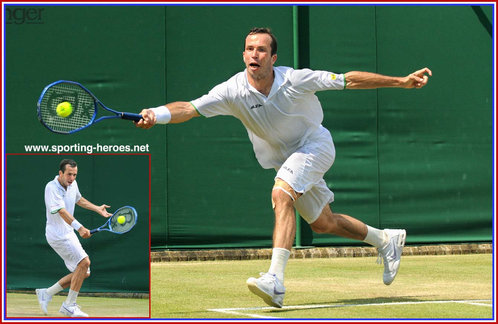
x=43, y=299
x=72, y=310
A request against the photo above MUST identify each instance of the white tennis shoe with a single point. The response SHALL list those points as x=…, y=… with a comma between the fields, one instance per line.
x=269, y=288
x=43, y=299
x=391, y=254
x=72, y=310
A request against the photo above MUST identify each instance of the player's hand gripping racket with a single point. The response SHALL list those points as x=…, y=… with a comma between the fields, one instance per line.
x=117, y=224
x=82, y=112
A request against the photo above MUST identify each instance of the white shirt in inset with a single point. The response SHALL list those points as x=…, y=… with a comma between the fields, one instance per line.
x=56, y=197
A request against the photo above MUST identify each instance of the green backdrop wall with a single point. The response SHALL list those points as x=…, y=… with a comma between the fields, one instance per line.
x=417, y=159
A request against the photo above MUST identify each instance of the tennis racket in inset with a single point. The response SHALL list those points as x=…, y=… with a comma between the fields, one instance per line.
x=113, y=225
x=84, y=108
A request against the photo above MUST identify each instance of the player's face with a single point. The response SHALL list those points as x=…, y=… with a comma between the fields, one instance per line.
x=257, y=56
x=67, y=177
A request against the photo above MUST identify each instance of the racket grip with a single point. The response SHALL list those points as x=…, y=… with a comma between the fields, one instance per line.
x=131, y=116
x=94, y=231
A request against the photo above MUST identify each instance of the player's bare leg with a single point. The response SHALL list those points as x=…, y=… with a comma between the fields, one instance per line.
x=80, y=274
x=283, y=197
x=65, y=281
x=339, y=224
x=270, y=285
x=69, y=307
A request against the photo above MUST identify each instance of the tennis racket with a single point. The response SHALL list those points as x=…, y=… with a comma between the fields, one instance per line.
x=112, y=224
x=84, y=108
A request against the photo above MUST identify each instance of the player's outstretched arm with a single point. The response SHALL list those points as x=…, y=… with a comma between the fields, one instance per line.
x=101, y=210
x=367, y=80
x=176, y=112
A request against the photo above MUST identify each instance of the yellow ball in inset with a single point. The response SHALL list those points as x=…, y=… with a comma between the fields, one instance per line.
x=64, y=109
x=121, y=219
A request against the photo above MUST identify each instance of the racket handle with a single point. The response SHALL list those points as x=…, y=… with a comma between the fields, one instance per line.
x=131, y=116
x=94, y=230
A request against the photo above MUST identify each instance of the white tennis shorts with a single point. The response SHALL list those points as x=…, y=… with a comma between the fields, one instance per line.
x=304, y=171
x=70, y=250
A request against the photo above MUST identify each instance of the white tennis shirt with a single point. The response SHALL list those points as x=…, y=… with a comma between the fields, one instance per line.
x=279, y=124
x=56, y=198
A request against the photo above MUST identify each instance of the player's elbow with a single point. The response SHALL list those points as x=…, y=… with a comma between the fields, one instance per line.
x=352, y=80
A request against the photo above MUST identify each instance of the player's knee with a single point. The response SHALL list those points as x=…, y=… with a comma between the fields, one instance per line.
x=283, y=194
x=85, y=263
x=279, y=198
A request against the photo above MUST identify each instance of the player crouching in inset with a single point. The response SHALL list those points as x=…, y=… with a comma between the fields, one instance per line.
x=61, y=195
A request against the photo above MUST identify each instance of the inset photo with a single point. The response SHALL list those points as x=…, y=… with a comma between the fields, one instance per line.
x=77, y=236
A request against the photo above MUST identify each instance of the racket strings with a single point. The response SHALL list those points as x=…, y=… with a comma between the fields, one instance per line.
x=130, y=220
x=82, y=102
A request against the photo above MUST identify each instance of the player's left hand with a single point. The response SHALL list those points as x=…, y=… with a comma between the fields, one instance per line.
x=417, y=79
x=103, y=211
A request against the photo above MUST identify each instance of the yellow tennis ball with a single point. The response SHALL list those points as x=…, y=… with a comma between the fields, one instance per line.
x=121, y=219
x=64, y=109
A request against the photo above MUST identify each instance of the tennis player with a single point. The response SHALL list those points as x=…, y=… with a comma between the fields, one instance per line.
x=283, y=117
x=61, y=195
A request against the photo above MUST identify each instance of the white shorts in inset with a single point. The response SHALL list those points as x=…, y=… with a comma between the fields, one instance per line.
x=304, y=171
x=70, y=250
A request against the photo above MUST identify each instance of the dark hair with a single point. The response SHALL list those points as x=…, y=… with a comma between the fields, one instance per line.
x=65, y=162
x=264, y=30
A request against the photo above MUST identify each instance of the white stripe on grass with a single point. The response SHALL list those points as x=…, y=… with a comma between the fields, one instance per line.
x=239, y=311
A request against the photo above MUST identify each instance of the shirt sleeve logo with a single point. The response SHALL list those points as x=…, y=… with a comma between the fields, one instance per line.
x=333, y=76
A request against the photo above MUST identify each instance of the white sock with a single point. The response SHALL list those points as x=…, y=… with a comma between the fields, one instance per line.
x=54, y=289
x=71, y=297
x=375, y=237
x=279, y=259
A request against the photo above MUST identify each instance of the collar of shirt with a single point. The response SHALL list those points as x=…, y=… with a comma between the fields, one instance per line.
x=278, y=82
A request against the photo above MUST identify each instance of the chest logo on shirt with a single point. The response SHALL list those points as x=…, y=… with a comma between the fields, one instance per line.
x=256, y=106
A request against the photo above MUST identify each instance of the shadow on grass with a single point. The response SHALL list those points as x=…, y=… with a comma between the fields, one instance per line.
x=351, y=302
x=381, y=300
